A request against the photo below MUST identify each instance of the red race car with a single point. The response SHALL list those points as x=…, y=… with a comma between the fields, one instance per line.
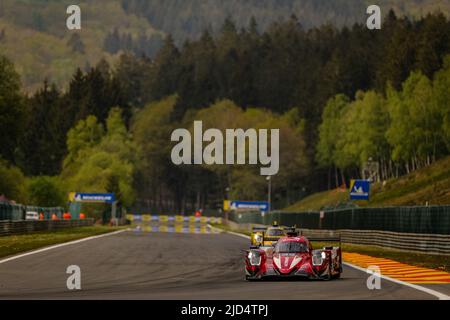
x=293, y=256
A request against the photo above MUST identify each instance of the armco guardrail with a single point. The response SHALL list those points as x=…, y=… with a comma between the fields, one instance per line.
x=422, y=220
x=426, y=243
x=8, y=227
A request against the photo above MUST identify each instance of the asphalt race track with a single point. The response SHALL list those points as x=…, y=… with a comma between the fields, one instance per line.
x=141, y=265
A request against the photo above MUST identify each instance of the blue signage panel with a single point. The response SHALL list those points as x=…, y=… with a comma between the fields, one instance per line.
x=252, y=205
x=95, y=197
x=359, y=190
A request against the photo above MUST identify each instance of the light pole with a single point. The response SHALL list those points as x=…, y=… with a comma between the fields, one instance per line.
x=269, y=196
x=227, y=190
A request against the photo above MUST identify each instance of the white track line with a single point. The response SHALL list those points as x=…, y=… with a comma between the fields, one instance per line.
x=239, y=235
x=230, y=232
x=435, y=293
x=439, y=295
x=59, y=246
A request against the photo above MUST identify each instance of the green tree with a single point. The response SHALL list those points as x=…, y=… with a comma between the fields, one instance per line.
x=374, y=122
x=293, y=160
x=76, y=43
x=416, y=122
x=426, y=118
x=398, y=54
x=165, y=72
x=398, y=134
x=131, y=73
x=46, y=191
x=85, y=135
x=347, y=152
x=155, y=174
x=441, y=97
x=101, y=162
x=433, y=43
x=330, y=130
x=43, y=144
x=12, y=183
x=12, y=110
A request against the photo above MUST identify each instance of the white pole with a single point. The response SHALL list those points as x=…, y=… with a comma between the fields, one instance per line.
x=269, y=197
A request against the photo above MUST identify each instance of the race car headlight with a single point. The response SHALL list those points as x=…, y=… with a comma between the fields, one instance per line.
x=258, y=238
x=318, y=258
x=254, y=258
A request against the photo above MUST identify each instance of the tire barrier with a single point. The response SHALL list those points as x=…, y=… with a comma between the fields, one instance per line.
x=20, y=227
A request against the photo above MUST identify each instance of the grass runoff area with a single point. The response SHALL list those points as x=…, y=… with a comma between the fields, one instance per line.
x=14, y=244
x=428, y=185
x=438, y=262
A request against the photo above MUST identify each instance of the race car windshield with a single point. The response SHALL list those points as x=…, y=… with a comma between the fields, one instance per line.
x=274, y=233
x=291, y=247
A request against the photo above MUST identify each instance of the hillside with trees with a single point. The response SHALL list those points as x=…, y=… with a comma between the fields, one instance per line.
x=427, y=186
x=340, y=95
x=188, y=19
x=34, y=36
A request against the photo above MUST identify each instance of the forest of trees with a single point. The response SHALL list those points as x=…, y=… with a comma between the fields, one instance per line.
x=141, y=45
x=188, y=19
x=339, y=95
x=401, y=130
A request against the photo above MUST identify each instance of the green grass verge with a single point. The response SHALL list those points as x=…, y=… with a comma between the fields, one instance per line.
x=438, y=262
x=14, y=244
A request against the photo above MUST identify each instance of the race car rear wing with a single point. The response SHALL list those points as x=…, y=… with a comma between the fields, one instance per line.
x=325, y=239
x=255, y=229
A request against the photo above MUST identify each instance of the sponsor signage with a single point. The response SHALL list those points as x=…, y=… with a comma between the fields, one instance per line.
x=93, y=197
x=262, y=206
x=359, y=190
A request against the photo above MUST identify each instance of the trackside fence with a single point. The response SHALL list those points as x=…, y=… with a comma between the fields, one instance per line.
x=15, y=212
x=417, y=229
x=418, y=220
x=414, y=242
x=8, y=227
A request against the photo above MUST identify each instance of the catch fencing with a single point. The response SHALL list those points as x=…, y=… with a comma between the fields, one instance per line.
x=427, y=243
x=414, y=242
x=417, y=220
x=9, y=227
x=14, y=212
